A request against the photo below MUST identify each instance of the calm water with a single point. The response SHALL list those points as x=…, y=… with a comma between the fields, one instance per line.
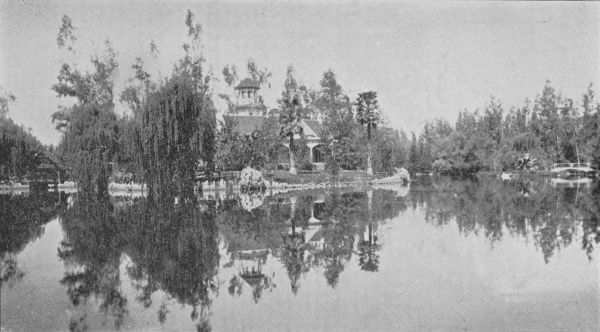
x=443, y=256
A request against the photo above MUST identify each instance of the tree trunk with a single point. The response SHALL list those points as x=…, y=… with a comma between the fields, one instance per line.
x=292, y=161
x=369, y=163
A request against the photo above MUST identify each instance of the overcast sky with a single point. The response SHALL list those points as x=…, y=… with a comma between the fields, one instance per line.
x=425, y=60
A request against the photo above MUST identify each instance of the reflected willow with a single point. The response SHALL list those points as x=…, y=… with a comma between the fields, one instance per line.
x=172, y=247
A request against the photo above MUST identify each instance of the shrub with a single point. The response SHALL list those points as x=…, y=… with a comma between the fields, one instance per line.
x=251, y=180
x=332, y=166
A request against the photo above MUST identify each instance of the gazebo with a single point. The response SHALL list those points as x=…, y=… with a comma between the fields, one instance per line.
x=44, y=169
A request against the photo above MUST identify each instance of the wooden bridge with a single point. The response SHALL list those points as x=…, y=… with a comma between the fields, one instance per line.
x=572, y=168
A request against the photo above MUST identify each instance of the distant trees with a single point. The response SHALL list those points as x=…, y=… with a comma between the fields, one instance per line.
x=551, y=129
x=17, y=145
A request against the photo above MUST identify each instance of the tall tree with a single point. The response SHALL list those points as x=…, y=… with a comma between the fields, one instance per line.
x=368, y=115
x=292, y=112
x=333, y=106
x=178, y=123
x=590, y=128
x=331, y=98
x=89, y=135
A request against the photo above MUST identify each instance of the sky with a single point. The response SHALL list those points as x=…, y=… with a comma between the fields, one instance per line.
x=425, y=60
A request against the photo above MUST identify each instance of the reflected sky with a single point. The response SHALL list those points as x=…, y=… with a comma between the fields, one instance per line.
x=444, y=255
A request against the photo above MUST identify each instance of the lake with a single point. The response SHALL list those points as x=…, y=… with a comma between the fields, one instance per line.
x=442, y=255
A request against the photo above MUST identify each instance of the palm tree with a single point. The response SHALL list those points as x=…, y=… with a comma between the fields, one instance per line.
x=367, y=114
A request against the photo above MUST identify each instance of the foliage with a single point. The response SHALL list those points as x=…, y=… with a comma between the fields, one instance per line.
x=5, y=99
x=172, y=247
x=22, y=220
x=17, y=150
x=367, y=111
x=251, y=180
x=258, y=150
x=551, y=129
x=177, y=131
x=89, y=141
x=292, y=113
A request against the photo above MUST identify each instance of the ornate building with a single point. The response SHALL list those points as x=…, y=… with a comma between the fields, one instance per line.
x=249, y=114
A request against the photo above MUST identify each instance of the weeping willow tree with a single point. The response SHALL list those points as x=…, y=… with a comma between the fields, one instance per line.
x=89, y=139
x=177, y=123
x=177, y=133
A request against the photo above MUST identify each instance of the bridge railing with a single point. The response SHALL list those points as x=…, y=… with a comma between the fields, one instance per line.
x=571, y=165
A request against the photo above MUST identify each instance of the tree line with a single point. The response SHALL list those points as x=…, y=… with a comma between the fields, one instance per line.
x=549, y=130
x=18, y=146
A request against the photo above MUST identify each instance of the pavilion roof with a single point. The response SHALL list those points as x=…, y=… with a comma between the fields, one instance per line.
x=44, y=161
x=253, y=279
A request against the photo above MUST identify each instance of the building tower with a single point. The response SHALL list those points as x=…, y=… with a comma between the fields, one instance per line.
x=248, y=102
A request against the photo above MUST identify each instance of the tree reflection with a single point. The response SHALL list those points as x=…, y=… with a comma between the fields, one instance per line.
x=347, y=210
x=22, y=220
x=368, y=259
x=315, y=230
x=172, y=247
x=293, y=251
x=550, y=216
x=171, y=244
x=91, y=250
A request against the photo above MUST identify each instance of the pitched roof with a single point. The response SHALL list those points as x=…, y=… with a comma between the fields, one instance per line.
x=248, y=83
x=246, y=125
x=315, y=126
x=45, y=161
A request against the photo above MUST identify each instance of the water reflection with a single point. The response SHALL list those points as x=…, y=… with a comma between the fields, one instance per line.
x=123, y=252
x=22, y=220
x=172, y=247
x=552, y=216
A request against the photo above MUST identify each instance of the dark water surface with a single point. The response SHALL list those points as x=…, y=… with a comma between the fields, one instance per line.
x=445, y=255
